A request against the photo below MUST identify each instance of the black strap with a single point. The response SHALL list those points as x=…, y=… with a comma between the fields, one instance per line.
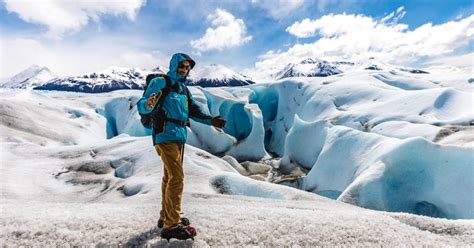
x=178, y=122
x=168, y=88
x=165, y=91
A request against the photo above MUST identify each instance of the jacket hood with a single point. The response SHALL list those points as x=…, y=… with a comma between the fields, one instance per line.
x=174, y=62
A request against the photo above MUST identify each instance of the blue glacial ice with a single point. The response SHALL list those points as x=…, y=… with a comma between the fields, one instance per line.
x=330, y=128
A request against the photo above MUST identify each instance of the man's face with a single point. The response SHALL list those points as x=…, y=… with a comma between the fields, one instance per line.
x=183, y=68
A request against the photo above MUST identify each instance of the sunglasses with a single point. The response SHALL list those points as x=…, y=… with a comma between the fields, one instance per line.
x=182, y=66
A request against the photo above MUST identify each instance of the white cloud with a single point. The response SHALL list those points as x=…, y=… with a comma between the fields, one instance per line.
x=394, y=17
x=465, y=61
x=304, y=29
x=359, y=37
x=343, y=24
x=77, y=58
x=279, y=9
x=227, y=32
x=69, y=16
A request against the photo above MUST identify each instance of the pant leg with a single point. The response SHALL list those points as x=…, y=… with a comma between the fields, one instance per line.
x=164, y=183
x=181, y=147
x=171, y=154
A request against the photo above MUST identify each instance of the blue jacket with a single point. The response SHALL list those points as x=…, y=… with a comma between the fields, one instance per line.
x=175, y=104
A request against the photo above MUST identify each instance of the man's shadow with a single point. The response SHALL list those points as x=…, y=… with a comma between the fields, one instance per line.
x=154, y=233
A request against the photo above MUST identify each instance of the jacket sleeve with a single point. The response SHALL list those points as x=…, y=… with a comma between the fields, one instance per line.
x=155, y=86
x=196, y=113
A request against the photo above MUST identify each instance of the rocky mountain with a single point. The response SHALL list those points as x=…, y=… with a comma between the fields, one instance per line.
x=309, y=68
x=312, y=67
x=117, y=78
x=113, y=78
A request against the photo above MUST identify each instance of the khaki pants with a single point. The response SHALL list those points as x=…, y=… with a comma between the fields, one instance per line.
x=173, y=181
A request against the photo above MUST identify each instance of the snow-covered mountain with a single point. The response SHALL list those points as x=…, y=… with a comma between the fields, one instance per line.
x=373, y=64
x=308, y=68
x=113, y=78
x=30, y=78
x=313, y=67
x=217, y=76
x=118, y=78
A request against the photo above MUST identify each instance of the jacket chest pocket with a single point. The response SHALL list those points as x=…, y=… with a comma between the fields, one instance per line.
x=179, y=104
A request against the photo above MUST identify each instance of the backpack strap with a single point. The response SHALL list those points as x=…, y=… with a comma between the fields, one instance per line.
x=188, y=102
x=159, y=105
x=186, y=92
x=148, y=79
x=165, y=91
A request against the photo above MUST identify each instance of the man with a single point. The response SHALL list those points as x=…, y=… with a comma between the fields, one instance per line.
x=169, y=137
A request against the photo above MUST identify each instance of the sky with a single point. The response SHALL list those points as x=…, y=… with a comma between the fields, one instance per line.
x=253, y=37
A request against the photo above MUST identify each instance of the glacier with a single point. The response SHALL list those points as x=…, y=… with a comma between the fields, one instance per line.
x=369, y=139
x=383, y=140
x=402, y=173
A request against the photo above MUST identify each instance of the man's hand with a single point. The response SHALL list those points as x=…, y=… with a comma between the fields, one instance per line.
x=152, y=100
x=218, y=122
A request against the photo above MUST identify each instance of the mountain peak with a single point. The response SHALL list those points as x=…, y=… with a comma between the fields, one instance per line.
x=215, y=75
x=376, y=64
x=112, y=78
x=29, y=78
x=34, y=69
x=311, y=61
x=309, y=67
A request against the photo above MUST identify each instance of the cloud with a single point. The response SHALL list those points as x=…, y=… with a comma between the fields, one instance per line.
x=337, y=25
x=62, y=17
x=304, y=29
x=279, y=9
x=465, y=61
x=394, y=17
x=76, y=58
x=358, y=37
x=227, y=32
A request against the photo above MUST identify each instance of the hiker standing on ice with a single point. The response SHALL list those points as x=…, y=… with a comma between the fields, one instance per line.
x=165, y=107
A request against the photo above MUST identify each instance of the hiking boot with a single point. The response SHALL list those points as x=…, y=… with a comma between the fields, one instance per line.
x=184, y=221
x=161, y=223
x=178, y=232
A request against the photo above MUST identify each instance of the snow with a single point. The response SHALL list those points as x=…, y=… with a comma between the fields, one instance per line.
x=27, y=116
x=113, y=78
x=215, y=75
x=87, y=204
x=214, y=71
x=316, y=67
x=308, y=68
x=449, y=76
x=29, y=78
x=79, y=169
